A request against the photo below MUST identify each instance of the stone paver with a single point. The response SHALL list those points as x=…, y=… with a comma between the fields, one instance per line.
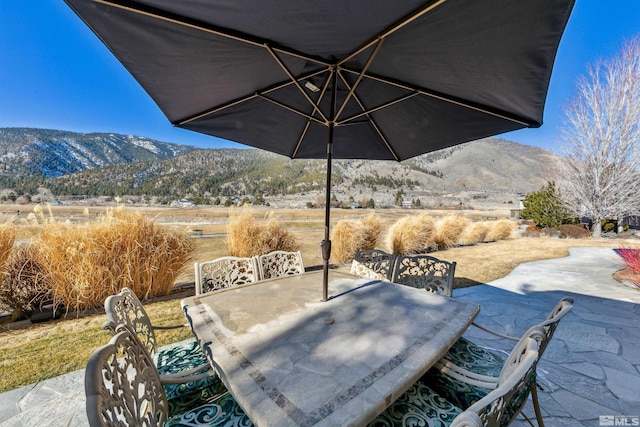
x=591, y=367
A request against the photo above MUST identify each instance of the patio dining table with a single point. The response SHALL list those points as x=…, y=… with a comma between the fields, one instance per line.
x=290, y=359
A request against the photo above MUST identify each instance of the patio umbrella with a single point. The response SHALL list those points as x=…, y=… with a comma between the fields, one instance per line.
x=346, y=79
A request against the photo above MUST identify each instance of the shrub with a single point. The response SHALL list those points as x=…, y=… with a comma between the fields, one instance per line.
x=24, y=286
x=544, y=207
x=246, y=237
x=499, y=230
x=551, y=232
x=412, y=234
x=573, y=231
x=531, y=231
x=449, y=229
x=372, y=226
x=347, y=237
x=88, y=262
x=474, y=233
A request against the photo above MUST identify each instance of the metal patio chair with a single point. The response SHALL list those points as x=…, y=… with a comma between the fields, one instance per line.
x=424, y=406
x=183, y=368
x=225, y=272
x=279, y=263
x=466, y=359
x=123, y=387
x=425, y=272
x=373, y=263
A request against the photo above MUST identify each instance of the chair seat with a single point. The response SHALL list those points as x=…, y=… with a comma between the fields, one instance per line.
x=475, y=358
x=418, y=406
x=471, y=357
x=181, y=358
x=456, y=391
x=223, y=411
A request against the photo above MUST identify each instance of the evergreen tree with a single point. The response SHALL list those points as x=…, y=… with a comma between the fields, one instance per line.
x=545, y=208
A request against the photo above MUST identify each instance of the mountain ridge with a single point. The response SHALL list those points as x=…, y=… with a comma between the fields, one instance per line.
x=65, y=163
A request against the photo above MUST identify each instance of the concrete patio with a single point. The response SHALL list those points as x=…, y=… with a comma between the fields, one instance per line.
x=590, y=372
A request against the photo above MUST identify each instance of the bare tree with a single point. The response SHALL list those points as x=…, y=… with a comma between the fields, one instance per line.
x=597, y=171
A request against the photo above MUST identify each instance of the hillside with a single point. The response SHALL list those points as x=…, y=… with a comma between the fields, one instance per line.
x=48, y=153
x=117, y=165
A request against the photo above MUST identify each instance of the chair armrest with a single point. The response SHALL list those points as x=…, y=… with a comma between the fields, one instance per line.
x=109, y=326
x=461, y=374
x=491, y=331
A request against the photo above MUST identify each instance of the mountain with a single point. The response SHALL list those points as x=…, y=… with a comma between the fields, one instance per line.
x=52, y=153
x=140, y=167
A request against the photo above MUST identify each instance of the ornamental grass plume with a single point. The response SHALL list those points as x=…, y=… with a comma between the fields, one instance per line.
x=474, y=233
x=449, y=229
x=372, y=227
x=246, y=237
x=347, y=237
x=499, y=230
x=88, y=262
x=7, y=239
x=412, y=234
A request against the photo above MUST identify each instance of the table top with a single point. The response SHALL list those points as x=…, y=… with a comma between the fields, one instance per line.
x=292, y=360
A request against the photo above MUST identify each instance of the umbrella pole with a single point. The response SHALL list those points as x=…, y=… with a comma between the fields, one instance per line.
x=326, y=243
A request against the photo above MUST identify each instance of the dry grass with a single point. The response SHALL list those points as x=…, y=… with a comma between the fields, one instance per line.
x=246, y=237
x=474, y=233
x=412, y=234
x=57, y=347
x=372, y=225
x=348, y=236
x=7, y=239
x=499, y=230
x=449, y=229
x=86, y=263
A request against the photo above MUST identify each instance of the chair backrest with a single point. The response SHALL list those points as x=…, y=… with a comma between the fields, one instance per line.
x=280, y=263
x=122, y=385
x=373, y=263
x=225, y=272
x=504, y=403
x=125, y=308
x=551, y=322
x=426, y=272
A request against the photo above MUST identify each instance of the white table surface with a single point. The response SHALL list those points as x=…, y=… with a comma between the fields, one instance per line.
x=291, y=360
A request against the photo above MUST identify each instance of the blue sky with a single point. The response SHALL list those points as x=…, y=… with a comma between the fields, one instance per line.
x=55, y=74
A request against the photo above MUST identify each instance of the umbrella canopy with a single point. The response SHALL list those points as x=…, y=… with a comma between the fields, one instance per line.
x=348, y=79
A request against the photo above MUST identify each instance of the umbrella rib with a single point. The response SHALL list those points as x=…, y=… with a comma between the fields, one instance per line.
x=162, y=15
x=393, y=28
x=373, y=122
x=377, y=108
x=359, y=78
x=293, y=110
x=214, y=110
x=243, y=99
x=302, y=135
x=442, y=97
x=295, y=82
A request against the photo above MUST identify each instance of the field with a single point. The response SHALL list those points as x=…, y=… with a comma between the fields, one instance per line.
x=30, y=353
